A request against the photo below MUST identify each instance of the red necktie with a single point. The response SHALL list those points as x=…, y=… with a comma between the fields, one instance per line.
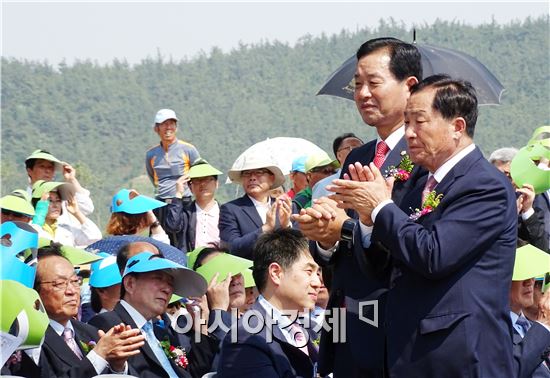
x=381, y=151
x=430, y=185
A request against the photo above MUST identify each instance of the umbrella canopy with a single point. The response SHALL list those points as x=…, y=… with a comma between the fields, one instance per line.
x=281, y=151
x=435, y=60
x=112, y=245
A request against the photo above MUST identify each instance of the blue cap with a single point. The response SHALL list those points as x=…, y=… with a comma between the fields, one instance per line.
x=17, y=239
x=299, y=164
x=187, y=283
x=105, y=273
x=130, y=202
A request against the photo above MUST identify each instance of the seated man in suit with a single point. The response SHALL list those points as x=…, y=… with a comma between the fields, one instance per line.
x=286, y=277
x=148, y=283
x=451, y=255
x=244, y=219
x=531, y=338
x=72, y=348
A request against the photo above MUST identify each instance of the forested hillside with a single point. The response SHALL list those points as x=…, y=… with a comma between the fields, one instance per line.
x=98, y=117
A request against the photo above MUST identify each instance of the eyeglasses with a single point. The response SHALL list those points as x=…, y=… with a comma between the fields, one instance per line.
x=350, y=148
x=61, y=285
x=325, y=170
x=256, y=172
x=200, y=180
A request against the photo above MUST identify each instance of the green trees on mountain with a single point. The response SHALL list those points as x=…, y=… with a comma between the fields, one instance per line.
x=98, y=117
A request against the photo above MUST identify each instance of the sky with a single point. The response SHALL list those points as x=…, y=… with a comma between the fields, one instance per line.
x=131, y=30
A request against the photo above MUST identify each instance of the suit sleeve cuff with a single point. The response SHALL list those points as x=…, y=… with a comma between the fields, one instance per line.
x=99, y=363
x=378, y=208
x=327, y=253
x=527, y=214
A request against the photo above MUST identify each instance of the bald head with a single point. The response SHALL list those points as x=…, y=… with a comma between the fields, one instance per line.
x=132, y=249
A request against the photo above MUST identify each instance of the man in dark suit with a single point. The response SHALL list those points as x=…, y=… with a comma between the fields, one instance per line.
x=72, y=348
x=286, y=277
x=447, y=310
x=386, y=70
x=244, y=219
x=148, y=283
x=196, y=222
x=531, y=337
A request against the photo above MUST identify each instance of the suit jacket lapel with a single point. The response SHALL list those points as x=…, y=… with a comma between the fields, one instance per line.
x=127, y=319
x=250, y=210
x=60, y=348
x=192, y=225
x=394, y=157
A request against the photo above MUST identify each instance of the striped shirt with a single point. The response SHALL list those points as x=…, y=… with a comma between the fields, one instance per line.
x=165, y=167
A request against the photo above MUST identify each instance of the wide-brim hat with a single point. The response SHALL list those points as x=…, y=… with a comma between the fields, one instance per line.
x=40, y=154
x=248, y=162
x=320, y=159
x=187, y=283
x=223, y=264
x=131, y=202
x=530, y=262
x=201, y=168
x=17, y=203
x=164, y=114
x=66, y=190
x=105, y=273
x=77, y=256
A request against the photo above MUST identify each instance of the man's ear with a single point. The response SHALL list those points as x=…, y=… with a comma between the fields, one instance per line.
x=459, y=127
x=129, y=283
x=275, y=273
x=156, y=128
x=410, y=81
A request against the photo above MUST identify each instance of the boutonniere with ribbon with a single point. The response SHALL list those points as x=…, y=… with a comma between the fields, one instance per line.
x=176, y=354
x=429, y=205
x=403, y=170
x=87, y=347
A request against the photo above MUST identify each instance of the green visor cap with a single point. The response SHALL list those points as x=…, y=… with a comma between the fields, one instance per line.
x=17, y=203
x=66, y=190
x=192, y=256
x=320, y=159
x=248, y=279
x=530, y=262
x=223, y=264
x=75, y=255
x=201, y=168
x=40, y=154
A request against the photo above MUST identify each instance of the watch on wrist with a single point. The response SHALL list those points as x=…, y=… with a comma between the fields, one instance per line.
x=348, y=228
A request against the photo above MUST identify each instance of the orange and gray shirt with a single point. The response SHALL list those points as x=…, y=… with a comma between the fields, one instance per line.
x=165, y=167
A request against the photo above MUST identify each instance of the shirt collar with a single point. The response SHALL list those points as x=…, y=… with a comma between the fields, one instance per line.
x=261, y=204
x=442, y=171
x=393, y=138
x=59, y=328
x=282, y=321
x=213, y=210
x=134, y=314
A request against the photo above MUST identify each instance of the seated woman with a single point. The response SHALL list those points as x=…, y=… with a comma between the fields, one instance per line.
x=46, y=198
x=105, y=282
x=132, y=214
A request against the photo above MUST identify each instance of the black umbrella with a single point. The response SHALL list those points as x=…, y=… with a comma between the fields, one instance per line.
x=435, y=60
x=112, y=244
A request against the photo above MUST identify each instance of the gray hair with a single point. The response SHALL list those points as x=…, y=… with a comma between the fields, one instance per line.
x=504, y=155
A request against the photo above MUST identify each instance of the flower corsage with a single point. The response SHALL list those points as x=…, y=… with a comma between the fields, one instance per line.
x=176, y=354
x=429, y=205
x=87, y=347
x=403, y=171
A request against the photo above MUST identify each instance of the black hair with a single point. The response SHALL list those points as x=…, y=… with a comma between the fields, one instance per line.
x=95, y=300
x=29, y=163
x=405, y=58
x=339, y=139
x=453, y=98
x=282, y=246
x=53, y=249
x=122, y=254
x=205, y=253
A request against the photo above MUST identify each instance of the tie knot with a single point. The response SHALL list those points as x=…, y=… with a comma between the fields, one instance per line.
x=382, y=148
x=68, y=334
x=523, y=323
x=147, y=327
